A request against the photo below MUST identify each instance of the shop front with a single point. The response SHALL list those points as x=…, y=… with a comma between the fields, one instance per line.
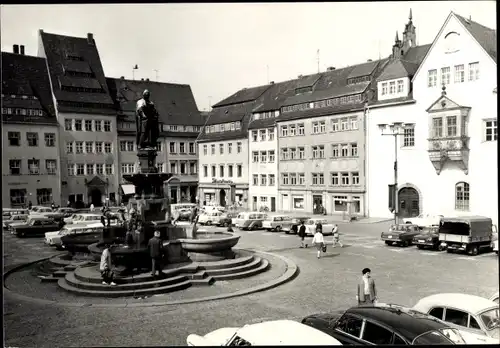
x=224, y=193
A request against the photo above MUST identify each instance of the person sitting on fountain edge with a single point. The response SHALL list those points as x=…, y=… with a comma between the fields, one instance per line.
x=155, y=246
x=105, y=267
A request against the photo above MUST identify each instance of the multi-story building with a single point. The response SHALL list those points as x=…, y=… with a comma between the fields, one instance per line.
x=447, y=153
x=86, y=116
x=223, y=149
x=181, y=123
x=30, y=146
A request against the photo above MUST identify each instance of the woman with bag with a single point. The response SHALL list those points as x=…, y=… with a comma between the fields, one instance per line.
x=319, y=242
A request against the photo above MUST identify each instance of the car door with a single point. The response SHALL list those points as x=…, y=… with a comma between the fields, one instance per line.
x=462, y=320
x=374, y=333
x=348, y=330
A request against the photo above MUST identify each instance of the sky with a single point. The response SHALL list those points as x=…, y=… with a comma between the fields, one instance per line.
x=219, y=49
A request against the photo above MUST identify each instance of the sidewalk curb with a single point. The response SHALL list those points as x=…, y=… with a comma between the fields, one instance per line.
x=291, y=273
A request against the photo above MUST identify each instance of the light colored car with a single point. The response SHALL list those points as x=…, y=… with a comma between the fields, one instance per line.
x=276, y=223
x=210, y=218
x=311, y=226
x=249, y=220
x=494, y=297
x=269, y=333
x=54, y=238
x=83, y=219
x=7, y=221
x=424, y=220
x=475, y=317
x=41, y=210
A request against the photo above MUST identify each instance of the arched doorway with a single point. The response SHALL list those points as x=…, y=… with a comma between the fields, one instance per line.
x=409, y=202
x=96, y=197
x=222, y=197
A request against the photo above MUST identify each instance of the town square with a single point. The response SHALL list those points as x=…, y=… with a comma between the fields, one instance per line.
x=182, y=183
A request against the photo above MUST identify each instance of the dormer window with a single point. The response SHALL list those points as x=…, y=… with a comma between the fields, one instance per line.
x=303, y=90
x=359, y=79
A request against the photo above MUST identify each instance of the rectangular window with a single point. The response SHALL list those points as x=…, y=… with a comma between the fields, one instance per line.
x=89, y=147
x=445, y=75
x=44, y=196
x=107, y=147
x=292, y=153
x=335, y=151
x=263, y=180
x=271, y=156
x=68, y=124
x=18, y=197
x=354, y=150
x=384, y=88
x=213, y=171
x=345, y=150
x=263, y=156
x=51, y=166
x=32, y=139
x=69, y=147
x=353, y=122
x=205, y=171
x=284, y=131
x=459, y=73
x=315, y=128
x=255, y=156
x=109, y=169
x=302, y=179
x=34, y=166
x=284, y=178
x=302, y=153
x=335, y=125
x=392, y=87
x=173, y=167
x=89, y=168
x=322, y=126
x=107, y=126
x=432, y=78
x=230, y=170
x=98, y=146
x=255, y=179
x=159, y=147
x=315, y=152
x=15, y=167
x=262, y=134
x=321, y=179
x=409, y=137
x=271, y=180
x=293, y=178
x=355, y=178
x=321, y=151
x=239, y=170
x=314, y=178
x=50, y=139
x=88, y=125
x=292, y=129
x=229, y=148
x=451, y=126
x=130, y=146
x=474, y=71
x=171, y=147
x=335, y=179
x=71, y=169
x=238, y=147
x=345, y=178
x=14, y=138
x=192, y=168
x=401, y=85
x=205, y=150
x=80, y=169
x=301, y=129
x=344, y=124
x=79, y=146
x=78, y=125
x=221, y=149
x=221, y=171
x=254, y=135
x=99, y=168
x=270, y=134
x=123, y=145
x=182, y=147
x=490, y=130
x=183, y=168
x=212, y=149
x=437, y=127
x=98, y=125
x=284, y=154
x=462, y=198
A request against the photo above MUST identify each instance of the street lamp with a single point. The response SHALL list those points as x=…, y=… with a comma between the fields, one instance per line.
x=395, y=129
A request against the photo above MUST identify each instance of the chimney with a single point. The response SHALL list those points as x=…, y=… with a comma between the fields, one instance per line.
x=122, y=77
x=147, y=80
x=16, y=49
x=299, y=77
x=271, y=83
x=330, y=68
x=369, y=60
x=142, y=79
x=22, y=50
x=90, y=38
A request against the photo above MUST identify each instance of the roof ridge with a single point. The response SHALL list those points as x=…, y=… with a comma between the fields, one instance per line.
x=22, y=55
x=149, y=81
x=471, y=21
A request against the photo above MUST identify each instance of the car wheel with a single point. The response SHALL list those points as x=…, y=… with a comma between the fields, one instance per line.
x=387, y=242
x=278, y=228
x=287, y=232
x=420, y=247
x=209, y=223
x=473, y=250
x=449, y=251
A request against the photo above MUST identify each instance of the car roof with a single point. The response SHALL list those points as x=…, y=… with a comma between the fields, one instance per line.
x=407, y=322
x=87, y=214
x=470, y=303
x=284, y=332
x=465, y=218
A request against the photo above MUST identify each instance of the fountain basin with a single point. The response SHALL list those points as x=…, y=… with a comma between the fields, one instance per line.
x=210, y=246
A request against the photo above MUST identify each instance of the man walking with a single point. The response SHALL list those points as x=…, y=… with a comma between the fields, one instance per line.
x=302, y=234
x=336, y=236
x=105, y=267
x=156, y=252
x=367, y=293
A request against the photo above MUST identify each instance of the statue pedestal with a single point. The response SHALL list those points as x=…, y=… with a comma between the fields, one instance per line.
x=147, y=160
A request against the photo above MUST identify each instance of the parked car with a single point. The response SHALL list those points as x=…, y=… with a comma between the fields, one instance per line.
x=494, y=297
x=494, y=246
x=66, y=212
x=210, y=218
x=288, y=226
x=83, y=219
x=35, y=226
x=8, y=212
x=427, y=238
x=185, y=214
x=424, y=220
x=466, y=233
x=250, y=220
x=384, y=324
x=7, y=221
x=476, y=317
x=54, y=238
x=275, y=223
x=400, y=234
x=226, y=219
x=270, y=333
x=80, y=241
x=313, y=222
x=38, y=210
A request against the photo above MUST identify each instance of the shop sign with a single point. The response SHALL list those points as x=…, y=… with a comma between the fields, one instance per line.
x=221, y=181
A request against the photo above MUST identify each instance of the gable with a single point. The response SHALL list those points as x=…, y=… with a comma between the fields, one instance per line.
x=443, y=103
x=454, y=43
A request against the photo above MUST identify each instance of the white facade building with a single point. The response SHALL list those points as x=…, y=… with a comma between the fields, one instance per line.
x=263, y=164
x=447, y=159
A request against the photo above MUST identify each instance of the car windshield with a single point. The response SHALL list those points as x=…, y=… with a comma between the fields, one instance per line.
x=310, y=222
x=431, y=338
x=398, y=228
x=490, y=318
x=63, y=231
x=453, y=335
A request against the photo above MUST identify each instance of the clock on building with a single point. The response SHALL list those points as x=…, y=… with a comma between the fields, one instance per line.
x=452, y=42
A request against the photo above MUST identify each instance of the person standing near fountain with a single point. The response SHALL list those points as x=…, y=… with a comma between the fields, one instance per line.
x=155, y=246
x=105, y=267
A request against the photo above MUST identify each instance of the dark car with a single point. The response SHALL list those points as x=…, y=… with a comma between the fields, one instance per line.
x=185, y=214
x=36, y=226
x=401, y=234
x=226, y=219
x=384, y=324
x=66, y=212
x=428, y=238
x=293, y=226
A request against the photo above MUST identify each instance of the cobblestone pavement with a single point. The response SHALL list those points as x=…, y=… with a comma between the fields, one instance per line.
x=403, y=275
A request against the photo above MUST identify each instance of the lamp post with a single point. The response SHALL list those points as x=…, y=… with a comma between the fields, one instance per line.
x=395, y=129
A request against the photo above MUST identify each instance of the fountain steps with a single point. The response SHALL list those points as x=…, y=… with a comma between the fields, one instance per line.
x=255, y=262
x=263, y=266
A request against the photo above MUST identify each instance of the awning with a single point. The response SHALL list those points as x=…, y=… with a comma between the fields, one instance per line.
x=128, y=189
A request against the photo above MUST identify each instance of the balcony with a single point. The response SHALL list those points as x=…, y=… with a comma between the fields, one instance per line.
x=453, y=150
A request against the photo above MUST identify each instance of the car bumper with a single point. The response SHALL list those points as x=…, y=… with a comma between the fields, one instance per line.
x=391, y=238
x=423, y=242
x=267, y=225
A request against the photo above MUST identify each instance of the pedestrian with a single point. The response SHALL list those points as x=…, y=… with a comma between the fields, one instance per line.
x=92, y=208
x=156, y=252
x=319, y=242
x=194, y=213
x=367, y=293
x=129, y=237
x=30, y=205
x=302, y=234
x=336, y=236
x=53, y=206
x=105, y=267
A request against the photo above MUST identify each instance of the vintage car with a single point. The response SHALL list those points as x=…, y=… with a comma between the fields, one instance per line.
x=83, y=219
x=400, y=234
x=226, y=219
x=210, y=218
x=185, y=214
x=289, y=226
x=270, y=333
x=384, y=324
x=38, y=210
x=7, y=221
x=79, y=242
x=54, y=238
x=8, y=212
x=66, y=212
x=424, y=220
x=475, y=317
x=35, y=226
x=249, y=220
x=494, y=297
x=275, y=223
x=427, y=238
x=313, y=222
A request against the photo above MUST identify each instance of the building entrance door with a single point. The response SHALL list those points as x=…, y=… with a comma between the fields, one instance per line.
x=96, y=197
x=409, y=205
x=273, y=203
x=222, y=196
x=317, y=204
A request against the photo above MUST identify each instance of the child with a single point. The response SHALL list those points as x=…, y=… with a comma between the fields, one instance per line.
x=336, y=237
x=318, y=241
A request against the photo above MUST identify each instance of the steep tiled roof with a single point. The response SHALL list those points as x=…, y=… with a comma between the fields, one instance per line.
x=398, y=68
x=243, y=95
x=264, y=123
x=486, y=37
x=274, y=97
x=297, y=115
x=175, y=102
x=363, y=69
x=308, y=80
x=416, y=54
x=62, y=54
x=26, y=75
